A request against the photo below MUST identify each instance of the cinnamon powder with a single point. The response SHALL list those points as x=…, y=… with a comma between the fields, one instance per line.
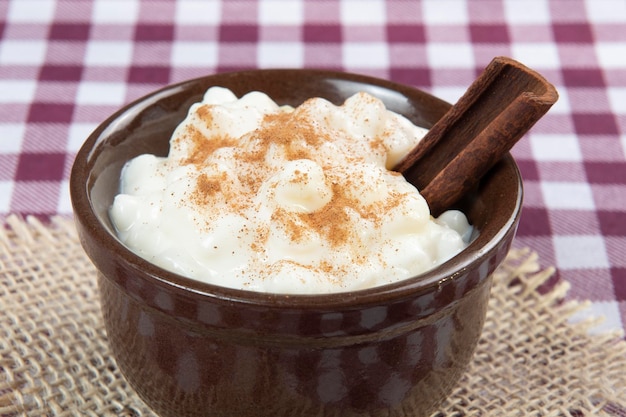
x=206, y=188
x=332, y=221
x=204, y=147
x=296, y=135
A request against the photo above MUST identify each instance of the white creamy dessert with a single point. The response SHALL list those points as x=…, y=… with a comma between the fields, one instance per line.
x=267, y=198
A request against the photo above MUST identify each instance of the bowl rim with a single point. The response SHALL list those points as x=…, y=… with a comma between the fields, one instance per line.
x=90, y=227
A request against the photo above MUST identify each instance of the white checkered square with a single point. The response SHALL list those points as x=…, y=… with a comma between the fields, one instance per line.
x=31, y=11
x=449, y=94
x=109, y=53
x=453, y=55
x=64, y=206
x=194, y=54
x=567, y=195
x=279, y=12
x=527, y=12
x=6, y=189
x=555, y=147
x=445, y=12
x=611, y=55
x=617, y=99
x=22, y=52
x=364, y=55
x=580, y=252
x=606, y=11
x=97, y=93
x=115, y=12
x=17, y=91
x=11, y=136
x=562, y=105
x=77, y=134
x=198, y=12
x=536, y=55
x=357, y=12
x=280, y=54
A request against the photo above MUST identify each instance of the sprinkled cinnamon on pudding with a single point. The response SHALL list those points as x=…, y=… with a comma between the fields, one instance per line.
x=288, y=200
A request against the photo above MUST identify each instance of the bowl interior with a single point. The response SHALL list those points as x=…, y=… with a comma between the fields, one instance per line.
x=146, y=125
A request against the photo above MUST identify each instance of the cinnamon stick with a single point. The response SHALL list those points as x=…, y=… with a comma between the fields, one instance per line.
x=500, y=106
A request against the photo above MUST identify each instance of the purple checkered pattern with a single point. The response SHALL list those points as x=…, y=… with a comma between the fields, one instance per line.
x=67, y=64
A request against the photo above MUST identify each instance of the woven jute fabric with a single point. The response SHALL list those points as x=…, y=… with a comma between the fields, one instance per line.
x=54, y=359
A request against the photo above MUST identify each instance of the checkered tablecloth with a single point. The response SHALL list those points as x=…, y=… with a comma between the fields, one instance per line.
x=65, y=65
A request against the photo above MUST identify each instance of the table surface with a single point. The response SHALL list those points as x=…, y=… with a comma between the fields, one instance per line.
x=66, y=65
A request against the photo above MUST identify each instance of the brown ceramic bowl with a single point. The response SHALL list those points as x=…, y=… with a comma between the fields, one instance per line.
x=190, y=348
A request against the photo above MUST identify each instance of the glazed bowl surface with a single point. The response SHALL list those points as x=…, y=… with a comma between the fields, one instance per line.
x=192, y=349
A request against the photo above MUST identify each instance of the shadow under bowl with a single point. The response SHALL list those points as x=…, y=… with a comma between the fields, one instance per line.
x=191, y=349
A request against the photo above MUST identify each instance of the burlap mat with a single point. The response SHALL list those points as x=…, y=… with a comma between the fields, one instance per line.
x=54, y=358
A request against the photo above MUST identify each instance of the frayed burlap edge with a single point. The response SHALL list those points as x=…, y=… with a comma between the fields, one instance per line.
x=54, y=358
